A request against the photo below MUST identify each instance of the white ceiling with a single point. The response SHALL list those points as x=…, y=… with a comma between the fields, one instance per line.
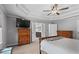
x=35, y=11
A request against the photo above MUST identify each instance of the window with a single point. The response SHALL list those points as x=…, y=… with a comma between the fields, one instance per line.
x=52, y=29
x=0, y=35
x=77, y=25
x=38, y=27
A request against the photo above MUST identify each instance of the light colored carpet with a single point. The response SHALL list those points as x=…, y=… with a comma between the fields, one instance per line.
x=32, y=48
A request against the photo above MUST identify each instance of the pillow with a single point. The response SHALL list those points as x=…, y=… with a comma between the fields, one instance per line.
x=54, y=38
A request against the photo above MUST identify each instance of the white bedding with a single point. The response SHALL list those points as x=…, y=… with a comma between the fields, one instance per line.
x=61, y=46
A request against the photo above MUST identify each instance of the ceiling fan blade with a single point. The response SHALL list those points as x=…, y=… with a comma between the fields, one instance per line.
x=46, y=10
x=49, y=14
x=55, y=5
x=52, y=8
x=58, y=13
x=64, y=8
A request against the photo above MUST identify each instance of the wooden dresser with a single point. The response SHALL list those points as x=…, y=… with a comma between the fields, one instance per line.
x=67, y=34
x=23, y=36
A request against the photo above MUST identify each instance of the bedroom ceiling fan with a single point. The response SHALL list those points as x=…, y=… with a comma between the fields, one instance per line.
x=55, y=9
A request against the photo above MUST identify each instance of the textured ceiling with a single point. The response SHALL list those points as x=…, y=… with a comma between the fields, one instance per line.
x=35, y=11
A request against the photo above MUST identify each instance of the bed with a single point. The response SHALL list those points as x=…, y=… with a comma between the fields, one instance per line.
x=61, y=46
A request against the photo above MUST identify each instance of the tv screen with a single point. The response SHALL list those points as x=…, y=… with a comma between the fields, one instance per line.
x=23, y=23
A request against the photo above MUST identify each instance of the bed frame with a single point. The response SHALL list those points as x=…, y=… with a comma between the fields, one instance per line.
x=67, y=34
x=42, y=38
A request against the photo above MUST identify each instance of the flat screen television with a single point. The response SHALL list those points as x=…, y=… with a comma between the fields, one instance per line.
x=22, y=23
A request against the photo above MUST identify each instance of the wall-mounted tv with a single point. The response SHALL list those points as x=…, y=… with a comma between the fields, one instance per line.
x=22, y=23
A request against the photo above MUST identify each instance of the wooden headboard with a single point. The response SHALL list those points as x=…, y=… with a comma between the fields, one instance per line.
x=67, y=34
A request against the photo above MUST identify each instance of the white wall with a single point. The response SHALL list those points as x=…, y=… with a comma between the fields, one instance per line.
x=3, y=24
x=67, y=24
x=12, y=35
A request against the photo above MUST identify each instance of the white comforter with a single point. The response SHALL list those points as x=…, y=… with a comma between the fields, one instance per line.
x=61, y=46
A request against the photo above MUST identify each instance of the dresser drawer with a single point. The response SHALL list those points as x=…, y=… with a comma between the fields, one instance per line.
x=23, y=36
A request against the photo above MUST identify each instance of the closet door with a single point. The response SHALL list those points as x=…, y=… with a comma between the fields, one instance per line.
x=52, y=29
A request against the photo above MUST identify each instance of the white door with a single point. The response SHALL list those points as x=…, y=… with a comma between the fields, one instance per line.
x=52, y=29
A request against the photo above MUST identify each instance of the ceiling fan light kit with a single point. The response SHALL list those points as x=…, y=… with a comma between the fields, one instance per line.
x=55, y=9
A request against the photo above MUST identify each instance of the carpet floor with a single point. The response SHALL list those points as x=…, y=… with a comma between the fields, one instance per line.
x=32, y=48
